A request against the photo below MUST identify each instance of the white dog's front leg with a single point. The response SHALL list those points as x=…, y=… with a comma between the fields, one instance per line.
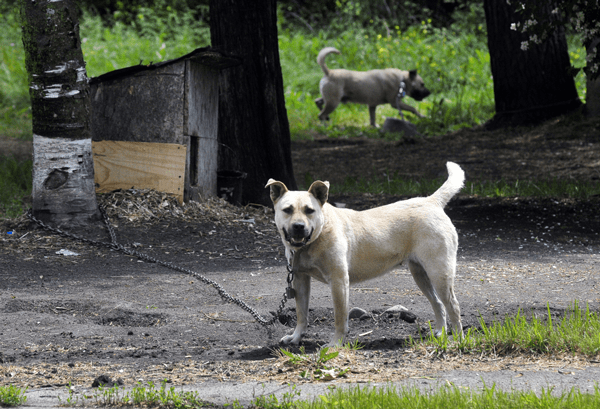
x=340, y=293
x=302, y=286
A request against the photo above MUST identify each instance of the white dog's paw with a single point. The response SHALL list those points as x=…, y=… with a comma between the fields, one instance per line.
x=290, y=339
x=336, y=342
x=439, y=331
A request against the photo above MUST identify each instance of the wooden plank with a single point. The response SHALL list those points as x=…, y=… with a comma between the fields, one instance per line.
x=207, y=174
x=139, y=165
x=145, y=107
x=201, y=115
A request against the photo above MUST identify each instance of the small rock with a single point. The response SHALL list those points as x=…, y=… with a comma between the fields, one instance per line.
x=408, y=316
x=357, y=313
x=396, y=309
x=403, y=312
x=397, y=125
x=105, y=381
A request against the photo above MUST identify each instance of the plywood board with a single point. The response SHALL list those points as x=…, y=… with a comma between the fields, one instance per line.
x=139, y=165
x=145, y=107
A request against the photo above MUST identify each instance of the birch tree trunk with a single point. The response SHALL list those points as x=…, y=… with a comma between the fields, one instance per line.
x=254, y=133
x=63, y=168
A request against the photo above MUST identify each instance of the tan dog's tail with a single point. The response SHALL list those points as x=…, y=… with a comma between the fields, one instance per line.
x=321, y=58
x=452, y=186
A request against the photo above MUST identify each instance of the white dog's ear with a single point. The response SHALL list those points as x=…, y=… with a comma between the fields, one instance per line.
x=320, y=190
x=278, y=189
x=412, y=74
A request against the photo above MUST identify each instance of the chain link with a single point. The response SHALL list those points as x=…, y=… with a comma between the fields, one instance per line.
x=114, y=245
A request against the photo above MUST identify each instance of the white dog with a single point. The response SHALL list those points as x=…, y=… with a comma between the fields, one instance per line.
x=342, y=246
x=375, y=87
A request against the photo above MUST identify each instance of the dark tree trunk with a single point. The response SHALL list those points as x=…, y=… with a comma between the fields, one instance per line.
x=533, y=85
x=254, y=135
x=63, y=169
x=592, y=95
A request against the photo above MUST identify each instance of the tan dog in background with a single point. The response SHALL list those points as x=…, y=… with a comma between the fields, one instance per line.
x=342, y=246
x=375, y=87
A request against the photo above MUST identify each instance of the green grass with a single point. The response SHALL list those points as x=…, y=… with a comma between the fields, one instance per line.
x=444, y=397
x=394, y=185
x=15, y=110
x=15, y=184
x=140, y=396
x=155, y=38
x=12, y=396
x=576, y=333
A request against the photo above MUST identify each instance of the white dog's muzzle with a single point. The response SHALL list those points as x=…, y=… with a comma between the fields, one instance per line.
x=299, y=236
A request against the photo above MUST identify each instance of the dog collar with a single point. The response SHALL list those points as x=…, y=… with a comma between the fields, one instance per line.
x=401, y=94
x=401, y=91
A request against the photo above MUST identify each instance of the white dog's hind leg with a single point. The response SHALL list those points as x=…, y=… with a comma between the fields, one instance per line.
x=441, y=276
x=302, y=286
x=331, y=98
x=420, y=276
x=328, y=108
x=444, y=287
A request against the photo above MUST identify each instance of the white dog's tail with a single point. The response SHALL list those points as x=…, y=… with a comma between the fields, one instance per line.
x=451, y=186
x=321, y=58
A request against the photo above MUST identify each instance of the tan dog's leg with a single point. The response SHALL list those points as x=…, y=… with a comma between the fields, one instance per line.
x=406, y=107
x=372, y=115
x=319, y=102
x=444, y=286
x=329, y=107
x=302, y=286
x=340, y=284
x=331, y=96
x=424, y=284
x=437, y=283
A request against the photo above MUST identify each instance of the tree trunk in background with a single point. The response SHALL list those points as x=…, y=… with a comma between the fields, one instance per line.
x=254, y=135
x=592, y=96
x=63, y=168
x=529, y=86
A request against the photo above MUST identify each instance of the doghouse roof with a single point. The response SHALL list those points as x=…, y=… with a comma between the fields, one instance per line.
x=210, y=57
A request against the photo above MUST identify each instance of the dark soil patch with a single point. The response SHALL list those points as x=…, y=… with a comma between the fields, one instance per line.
x=73, y=317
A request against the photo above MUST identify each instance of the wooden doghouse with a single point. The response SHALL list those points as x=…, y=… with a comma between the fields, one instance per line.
x=155, y=126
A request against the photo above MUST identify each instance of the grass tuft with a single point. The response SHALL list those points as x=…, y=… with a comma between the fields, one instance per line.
x=577, y=332
x=15, y=184
x=12, y=396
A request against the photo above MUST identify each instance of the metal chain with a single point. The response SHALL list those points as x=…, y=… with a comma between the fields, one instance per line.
x=114, y=245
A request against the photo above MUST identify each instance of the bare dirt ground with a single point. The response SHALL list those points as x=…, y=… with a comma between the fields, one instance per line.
x=70, y=318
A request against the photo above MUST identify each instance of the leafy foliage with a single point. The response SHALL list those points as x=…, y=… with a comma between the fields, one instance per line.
x=12, y=396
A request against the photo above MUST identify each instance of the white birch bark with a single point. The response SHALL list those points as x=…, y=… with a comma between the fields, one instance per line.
x=63, y=168
x=63, y=179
